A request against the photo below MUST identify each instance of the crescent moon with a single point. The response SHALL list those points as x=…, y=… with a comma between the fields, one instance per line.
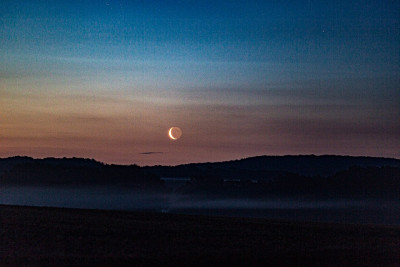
x=170, y=134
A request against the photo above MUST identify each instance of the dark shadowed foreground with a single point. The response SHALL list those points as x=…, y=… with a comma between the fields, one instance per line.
x=56, y=236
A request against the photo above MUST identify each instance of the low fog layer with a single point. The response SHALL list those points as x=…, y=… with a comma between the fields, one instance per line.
x=341, y=210
x=313, y=188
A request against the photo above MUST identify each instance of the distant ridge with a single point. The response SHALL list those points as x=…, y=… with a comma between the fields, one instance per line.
x=71, y=172
x=263, y=176
x=6, y=163
x=300, y=164
x=303, y=176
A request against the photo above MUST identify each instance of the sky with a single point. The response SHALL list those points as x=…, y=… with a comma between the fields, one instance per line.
x=107, y=79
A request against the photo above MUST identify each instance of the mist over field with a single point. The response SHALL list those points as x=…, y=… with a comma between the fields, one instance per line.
x=339, y=210
x=307, y=188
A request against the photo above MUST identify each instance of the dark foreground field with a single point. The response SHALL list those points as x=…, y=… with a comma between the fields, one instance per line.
x=55, y=236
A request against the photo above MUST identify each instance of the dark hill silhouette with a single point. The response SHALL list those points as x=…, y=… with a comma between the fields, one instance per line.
x=8, y=163
x=259, y=177
x=308, y=164
x=269, y=166
x=73, y=172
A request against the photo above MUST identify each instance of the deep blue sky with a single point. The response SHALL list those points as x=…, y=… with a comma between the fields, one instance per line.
x=105, y=79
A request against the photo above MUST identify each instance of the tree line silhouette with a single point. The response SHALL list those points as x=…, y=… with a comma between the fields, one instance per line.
x=246, y=178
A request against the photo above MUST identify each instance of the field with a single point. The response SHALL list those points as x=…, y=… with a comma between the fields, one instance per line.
x=34, y=236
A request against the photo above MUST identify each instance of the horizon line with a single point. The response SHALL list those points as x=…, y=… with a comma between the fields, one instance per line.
x=204, y=162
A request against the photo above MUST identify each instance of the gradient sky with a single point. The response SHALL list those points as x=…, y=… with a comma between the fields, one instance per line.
x=106, y=79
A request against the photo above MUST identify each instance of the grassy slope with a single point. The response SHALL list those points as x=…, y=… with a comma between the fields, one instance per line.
x=53, y=236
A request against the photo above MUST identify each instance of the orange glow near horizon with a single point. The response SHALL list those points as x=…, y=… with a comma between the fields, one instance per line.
x=85, y=79
x=127, y=131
